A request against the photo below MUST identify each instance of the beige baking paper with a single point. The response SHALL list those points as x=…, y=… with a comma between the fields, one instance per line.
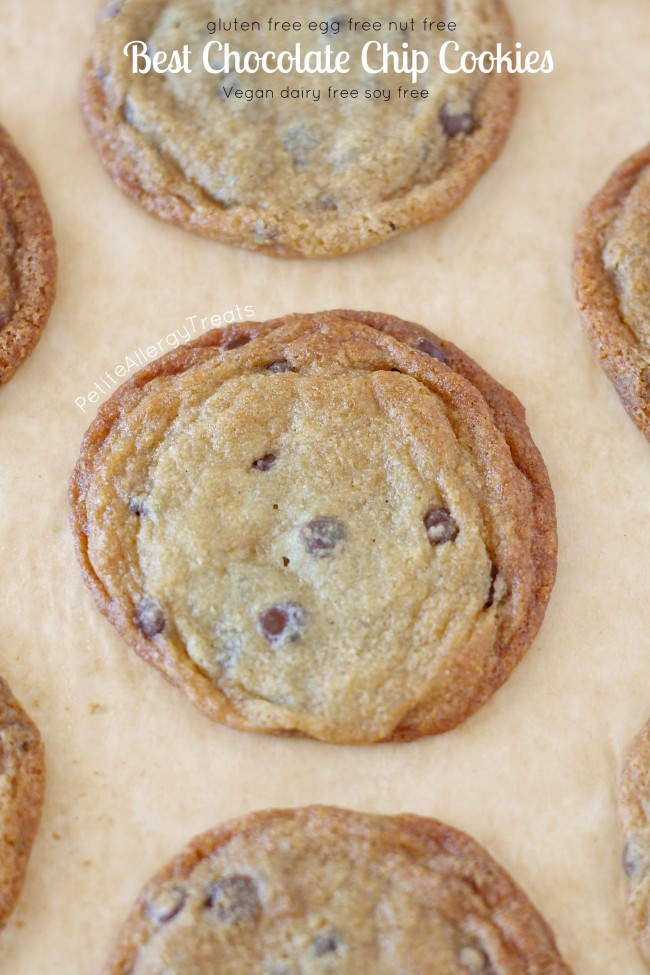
x=133, y=770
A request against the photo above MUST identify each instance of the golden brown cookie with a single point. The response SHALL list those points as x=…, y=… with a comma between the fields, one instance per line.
x=634, y=808
x=296, y=176
x=27, y=260
x=612, y=281
x=337, y=530
x=322, y=889
x=22, y=784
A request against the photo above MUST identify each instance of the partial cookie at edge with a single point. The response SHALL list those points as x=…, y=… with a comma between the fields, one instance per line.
x=159, y=183
x=22, y=785
x=453, y=906
x=27, y=260
x=619, y=351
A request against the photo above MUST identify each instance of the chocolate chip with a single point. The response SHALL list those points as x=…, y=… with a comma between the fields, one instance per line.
x=129, y=113
x=433, y=349
x=629, y=859
x=474, y=960
x=264, y=463
x=149, y=617
x=635, y=860
x=138, y=506
x=280, y=366
x=236, y=342
x=440, y=525
x=228, y=86
x=283, y=623
x=265, y=232
x=299, y=141
x=167, y=904
x=234, y=899
x=456, y=123
x=321, y=535
x=494, y=573
x=334, y=25
x=326, y=943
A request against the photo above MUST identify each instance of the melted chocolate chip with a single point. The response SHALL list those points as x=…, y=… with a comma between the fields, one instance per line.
x=335, y=25
x=265, y=232
x=300, y=141
x=283, y=623
x=234, y=899
x=138, y=506
x=228, y=82
x=635, y=860
x=629, y=859
x=456, y=123
x=440, y=525
x=280, y=366
x=264, y=463
x=321, y=535
x=149, y=617
x=326, y=943
x=166, y=905
x=236, y=342
x=328, y=202
x=490, y=599
x=128, y=113
x=433, y=349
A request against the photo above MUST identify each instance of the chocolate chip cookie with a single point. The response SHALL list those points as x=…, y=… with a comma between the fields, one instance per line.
x=312, y=176
x=27, y=260
x=22, y=783
x=634, y=808
x=328, y=890
x=612, y=280
x=334, y=525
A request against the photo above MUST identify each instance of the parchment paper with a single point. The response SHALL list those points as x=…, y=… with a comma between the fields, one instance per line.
x=133, y=770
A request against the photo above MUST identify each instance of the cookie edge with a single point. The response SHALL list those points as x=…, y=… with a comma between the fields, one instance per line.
x=26, y=808
x=38, y=237
x=596, y=295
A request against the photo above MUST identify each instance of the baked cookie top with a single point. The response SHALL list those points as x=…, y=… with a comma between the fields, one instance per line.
x=27, y=260
x=612, y=279
x=295, y=176
x=22, y=784
x=327, y=890
x=325, y=531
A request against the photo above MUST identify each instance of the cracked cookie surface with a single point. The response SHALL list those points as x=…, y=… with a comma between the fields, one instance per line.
x=22, y=783
x=340, y=529
x=612, y=281
x=315, y=890
x=27, y=260
x=286, y=176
